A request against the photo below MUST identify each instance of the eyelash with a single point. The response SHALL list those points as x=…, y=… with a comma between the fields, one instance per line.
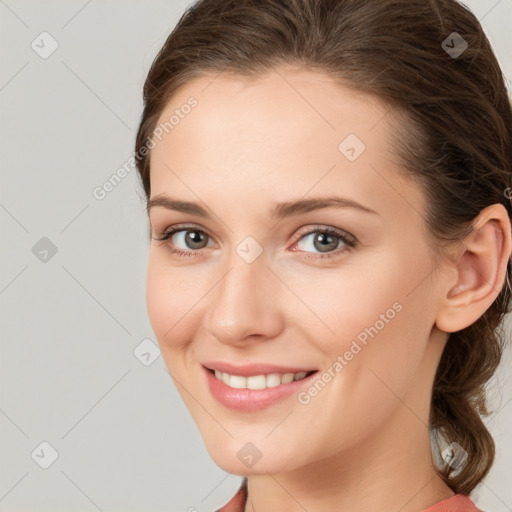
x=349, y=241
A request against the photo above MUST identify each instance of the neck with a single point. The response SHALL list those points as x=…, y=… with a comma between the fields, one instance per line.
x=390, y=471
x=361, y=480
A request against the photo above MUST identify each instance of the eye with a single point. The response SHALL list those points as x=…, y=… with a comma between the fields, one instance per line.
x=327, y=241
x=320, y=242
x=190, y=238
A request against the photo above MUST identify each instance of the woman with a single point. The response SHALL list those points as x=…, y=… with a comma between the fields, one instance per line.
x=326, y=184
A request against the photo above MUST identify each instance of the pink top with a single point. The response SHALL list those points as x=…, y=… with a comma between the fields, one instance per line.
x=457, y=503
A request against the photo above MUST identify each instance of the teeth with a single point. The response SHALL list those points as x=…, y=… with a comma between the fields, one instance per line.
x=258, y=381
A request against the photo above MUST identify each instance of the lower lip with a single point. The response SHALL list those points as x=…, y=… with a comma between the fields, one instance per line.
x=248, y=400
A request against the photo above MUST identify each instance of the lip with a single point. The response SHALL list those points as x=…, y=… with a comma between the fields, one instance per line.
x=250, y=370
x=252, y=400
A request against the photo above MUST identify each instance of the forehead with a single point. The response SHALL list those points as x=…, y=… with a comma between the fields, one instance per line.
x=279, y=98
x=289, y=126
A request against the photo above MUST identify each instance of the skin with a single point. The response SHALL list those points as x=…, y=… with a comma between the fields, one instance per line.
x=362, y=443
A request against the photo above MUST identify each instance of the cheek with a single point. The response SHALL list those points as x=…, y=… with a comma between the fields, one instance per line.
x=171, y=294
x=372, y=314
x=332, y=307
x=345, y=303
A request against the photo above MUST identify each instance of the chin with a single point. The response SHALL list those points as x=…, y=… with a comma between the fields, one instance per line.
x=246, y=458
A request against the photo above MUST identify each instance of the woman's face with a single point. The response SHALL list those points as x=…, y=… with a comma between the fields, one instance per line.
x=262, y=283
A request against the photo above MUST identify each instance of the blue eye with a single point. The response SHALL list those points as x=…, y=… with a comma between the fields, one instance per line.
x=191, y=235
x=329, y=242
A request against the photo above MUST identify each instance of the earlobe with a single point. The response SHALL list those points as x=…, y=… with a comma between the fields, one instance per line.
x=481, y=268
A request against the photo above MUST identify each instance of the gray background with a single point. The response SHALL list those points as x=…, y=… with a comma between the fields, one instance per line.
x=72, y=320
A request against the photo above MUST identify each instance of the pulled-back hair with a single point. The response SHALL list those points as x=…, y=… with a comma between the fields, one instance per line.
x=455, y=140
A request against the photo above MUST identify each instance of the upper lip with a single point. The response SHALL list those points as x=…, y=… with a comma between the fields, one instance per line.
x=249, y=370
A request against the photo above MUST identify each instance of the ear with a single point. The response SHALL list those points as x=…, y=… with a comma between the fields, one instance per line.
x=481, y=268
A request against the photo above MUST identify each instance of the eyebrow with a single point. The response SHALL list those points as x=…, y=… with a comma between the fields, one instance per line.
x=280, y=210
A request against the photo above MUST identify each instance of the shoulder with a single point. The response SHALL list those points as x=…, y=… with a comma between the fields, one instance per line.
x=456, y=503
x=238, y=501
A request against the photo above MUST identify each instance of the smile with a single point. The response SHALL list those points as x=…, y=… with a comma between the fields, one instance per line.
x=271, y=380
x=254, y=393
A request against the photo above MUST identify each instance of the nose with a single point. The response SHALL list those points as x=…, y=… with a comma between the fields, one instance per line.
x=244, y=305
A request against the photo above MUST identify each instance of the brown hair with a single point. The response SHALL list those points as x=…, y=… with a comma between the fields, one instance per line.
x=457, y=139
